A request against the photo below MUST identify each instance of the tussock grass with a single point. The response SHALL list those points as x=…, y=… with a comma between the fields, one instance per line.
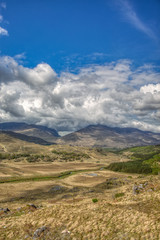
x=69, y=213
x=125, y=218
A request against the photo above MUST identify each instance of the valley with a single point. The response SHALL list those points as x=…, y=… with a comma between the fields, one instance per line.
x=72, y=192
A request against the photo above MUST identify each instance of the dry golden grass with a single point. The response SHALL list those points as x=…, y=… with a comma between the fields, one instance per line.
x=128, y=217
x=69, y=213
x=11, y=169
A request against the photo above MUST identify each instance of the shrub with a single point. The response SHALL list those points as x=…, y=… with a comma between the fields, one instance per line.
x=117, y=195
x=130, y=167
x=94, y=200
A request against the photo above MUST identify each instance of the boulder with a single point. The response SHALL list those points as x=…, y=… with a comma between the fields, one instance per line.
x=56, y=189
x=38, y=232
x=32, y=205
x=4, y=210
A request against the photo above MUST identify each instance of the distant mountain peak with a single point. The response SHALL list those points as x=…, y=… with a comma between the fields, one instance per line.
x=105, y=136
x=31, y=130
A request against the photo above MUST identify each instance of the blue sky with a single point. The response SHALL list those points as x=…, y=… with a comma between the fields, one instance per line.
x=70, y=63
x=73, y=33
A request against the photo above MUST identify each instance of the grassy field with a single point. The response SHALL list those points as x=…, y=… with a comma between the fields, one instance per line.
x=68, y=192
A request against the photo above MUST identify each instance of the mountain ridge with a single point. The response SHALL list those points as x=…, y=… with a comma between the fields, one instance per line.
x=31, y=130
x=104, y=136
x=26, y=138
x=90, y=136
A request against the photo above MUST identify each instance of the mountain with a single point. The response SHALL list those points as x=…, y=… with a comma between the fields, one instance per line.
x=37, y=131
x=90, y=136
x=26, y=138
x=104, y=136
x=11, y=144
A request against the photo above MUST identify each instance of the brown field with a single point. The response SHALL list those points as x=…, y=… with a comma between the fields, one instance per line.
x=63, y=203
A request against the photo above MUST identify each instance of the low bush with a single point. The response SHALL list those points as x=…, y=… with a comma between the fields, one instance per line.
x=130, y=167
x=117, y=195
x=70, y=156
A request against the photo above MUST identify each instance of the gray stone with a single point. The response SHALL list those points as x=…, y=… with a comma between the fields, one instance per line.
x=32, y=205
x=38, y=232
x=65, y=232
x=5, y=210
x=140, y=186
x=56, y=188
x=135, y=189
x=19, y=209
x=26, y=236
x=93, y=174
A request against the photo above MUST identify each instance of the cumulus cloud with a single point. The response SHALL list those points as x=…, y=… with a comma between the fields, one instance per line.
x=114, y=94
x=10, y=70
x=151, y=88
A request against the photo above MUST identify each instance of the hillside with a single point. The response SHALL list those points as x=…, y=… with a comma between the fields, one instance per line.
x=27, y=138
x=31, y=130
x=90, y=136
x=9, y=143
x=144, y=160
x=103, y=136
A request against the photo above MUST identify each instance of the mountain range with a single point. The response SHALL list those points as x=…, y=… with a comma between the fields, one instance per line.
x=30, y=132
x=90, y=136
x=104, y=136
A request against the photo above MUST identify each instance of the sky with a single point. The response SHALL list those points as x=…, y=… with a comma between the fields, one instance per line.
x=67, y=64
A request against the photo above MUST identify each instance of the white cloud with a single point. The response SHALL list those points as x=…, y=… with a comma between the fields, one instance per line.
x=113, y=94
x=151, y=88
x=131, y=16
x=20, y=56
x=1, y=18
x=3, y=31
x=3, y=5
x=40, y=75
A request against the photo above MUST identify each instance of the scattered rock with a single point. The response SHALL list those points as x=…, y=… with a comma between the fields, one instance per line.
x=32, y=205
x=142, y=187
x=4, y=210
x=67, y=196
x=65, y=232
x=26, y=236
x=109, y=184
x=135, y=189
x=19, y=209
x=56, y=188
x=91, y=191
x=38, y=232
x=92, y=174
x=74, y=189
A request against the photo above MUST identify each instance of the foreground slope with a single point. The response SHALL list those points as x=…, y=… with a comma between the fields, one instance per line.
x=99, y=135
